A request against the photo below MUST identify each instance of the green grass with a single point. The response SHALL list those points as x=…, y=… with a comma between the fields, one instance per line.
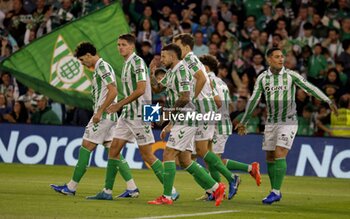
x=25, y=193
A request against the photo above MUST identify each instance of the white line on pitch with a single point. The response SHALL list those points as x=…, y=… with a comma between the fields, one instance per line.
x=189, y=215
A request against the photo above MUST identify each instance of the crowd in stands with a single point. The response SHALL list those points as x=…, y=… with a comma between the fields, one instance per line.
x=314, y=36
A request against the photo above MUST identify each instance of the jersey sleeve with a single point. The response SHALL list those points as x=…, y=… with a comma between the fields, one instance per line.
x=192, y=64
x=184, y=79
x=253, y=100
x=106, y=73
x=140, y=69
x=309, y=88
x=164, y=80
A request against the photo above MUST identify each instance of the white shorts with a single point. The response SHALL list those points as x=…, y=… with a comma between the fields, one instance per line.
x=182, y=138
x=279, y=135
x=218, y=143
x=134, y=129
x=204, y=132
x=101, y=132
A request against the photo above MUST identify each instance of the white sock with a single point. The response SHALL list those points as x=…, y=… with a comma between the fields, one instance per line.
x=173, y=190
x=167, y=197
x=72, y=185
x=277, y=192
x=215, y=187
x=249, y=168
x=108, y=191
x=130, y=185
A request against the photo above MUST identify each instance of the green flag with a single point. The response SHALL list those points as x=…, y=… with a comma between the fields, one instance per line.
x=48, y=64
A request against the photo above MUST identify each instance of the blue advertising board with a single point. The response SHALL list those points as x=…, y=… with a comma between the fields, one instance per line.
x=59, y=145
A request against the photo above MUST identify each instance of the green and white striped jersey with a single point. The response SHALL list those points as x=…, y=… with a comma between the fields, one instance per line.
x=224, y=126
x=135, y=70
x=205, y=101
x=176, y=81
x=103, y=75
x=279, y=90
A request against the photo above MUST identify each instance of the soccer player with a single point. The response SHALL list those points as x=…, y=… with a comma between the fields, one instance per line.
x=130, y=126
x=204, y=101
x=180, y=90
x=102, y=124
x=223, y=128
x=278, y=85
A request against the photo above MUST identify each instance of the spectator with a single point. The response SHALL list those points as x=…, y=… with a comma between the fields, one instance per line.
x=44, y=114
x=6, y=49
x=16, y=20
x=332, y=43
x=174, y=24
x=249, y=26
x=339, y=65
x=258, y=62
x=199, y=48
x=308, y=38
x=27, y=98
x=147, y=14
x=332, y=85
x=4, y=107
x=329, y=19
x=240, y=108
x=317, y=66
x=264, y=20
x=204, y=27
x=64, y=14
x=224, y=13
x=345, y=57
x=9, y=88
x=146, y=33
x=302, y=99
x=263, y=41
x=319, y=30
x=345, y=29
x=340, y=124
x=306, y=126
x=164, y=15
x=146, y=52
x=297, y=24
x=19, y=114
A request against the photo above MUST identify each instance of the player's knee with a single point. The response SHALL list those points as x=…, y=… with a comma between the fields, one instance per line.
x=149, y=158
x=200, y=151
x=184, y=163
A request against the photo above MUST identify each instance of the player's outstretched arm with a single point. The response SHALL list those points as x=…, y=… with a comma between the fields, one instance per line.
x=311, y=89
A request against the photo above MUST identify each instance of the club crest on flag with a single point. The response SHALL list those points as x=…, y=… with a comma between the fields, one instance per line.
x=67, y=73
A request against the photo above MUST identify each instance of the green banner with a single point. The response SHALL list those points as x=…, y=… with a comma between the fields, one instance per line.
x=48, y=64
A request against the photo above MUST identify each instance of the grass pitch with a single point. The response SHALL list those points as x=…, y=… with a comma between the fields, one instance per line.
x=25, y=193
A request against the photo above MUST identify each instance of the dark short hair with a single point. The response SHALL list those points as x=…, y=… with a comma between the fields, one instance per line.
x=84, y=48
x=146, y=43
x=346, y=44
x=210, y=61
x=344, y=101
x=128, y=37
x=159, y=71
x=307, y=26
x=270, y=51
x=185, y=39
x=173, y=47
x=185, y=25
